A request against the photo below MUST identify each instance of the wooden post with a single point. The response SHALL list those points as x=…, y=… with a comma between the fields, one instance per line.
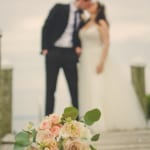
x=138, y=80
x=0, y=49
x=5, y=101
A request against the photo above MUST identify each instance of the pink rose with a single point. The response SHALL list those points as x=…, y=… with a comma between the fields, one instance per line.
x=76, y=145
x=54, y=119
x=55, y=130
x=45, y=124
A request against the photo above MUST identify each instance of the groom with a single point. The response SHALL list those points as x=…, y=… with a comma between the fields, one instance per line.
x=59, y=41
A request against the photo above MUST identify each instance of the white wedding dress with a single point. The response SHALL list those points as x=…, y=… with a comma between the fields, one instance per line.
x=110, y=91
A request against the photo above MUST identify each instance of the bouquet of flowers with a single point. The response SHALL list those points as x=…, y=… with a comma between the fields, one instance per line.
x=63, y=132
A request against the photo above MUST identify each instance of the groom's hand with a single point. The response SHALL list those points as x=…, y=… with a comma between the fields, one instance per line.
x=44, y=52
x=78, y=50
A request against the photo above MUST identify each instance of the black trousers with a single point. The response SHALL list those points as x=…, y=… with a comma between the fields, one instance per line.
x=66, y=59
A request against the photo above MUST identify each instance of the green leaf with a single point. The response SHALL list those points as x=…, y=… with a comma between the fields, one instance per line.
x=92, y=148
x=60, y=144
x=95, y=137
x=92, y=116
x=70, y=112
x=22, y=139
x=34, y=133
x=19, y=147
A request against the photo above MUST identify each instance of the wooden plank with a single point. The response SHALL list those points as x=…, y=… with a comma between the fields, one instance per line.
x=7, y=142
x=110, y=140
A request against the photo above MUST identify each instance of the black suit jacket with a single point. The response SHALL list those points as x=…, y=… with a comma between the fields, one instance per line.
x=55, y=25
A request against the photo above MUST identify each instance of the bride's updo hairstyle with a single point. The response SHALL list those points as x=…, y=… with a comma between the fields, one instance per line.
x=101, y=13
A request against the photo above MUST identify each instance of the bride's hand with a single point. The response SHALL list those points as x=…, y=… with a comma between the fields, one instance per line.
x=100, y=68
x=78, y=51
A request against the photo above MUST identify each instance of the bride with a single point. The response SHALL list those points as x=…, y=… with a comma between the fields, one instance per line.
x=101, y=83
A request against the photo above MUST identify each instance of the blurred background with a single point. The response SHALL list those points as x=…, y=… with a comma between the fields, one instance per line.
x=21, y=23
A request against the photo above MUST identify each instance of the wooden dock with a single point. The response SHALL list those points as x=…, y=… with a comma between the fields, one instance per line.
x=7, y=143
x=115, y=140
x=125, y=140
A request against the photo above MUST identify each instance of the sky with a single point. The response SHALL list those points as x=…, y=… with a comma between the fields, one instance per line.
x=21, y=23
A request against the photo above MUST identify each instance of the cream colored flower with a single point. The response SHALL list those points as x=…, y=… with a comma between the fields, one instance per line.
x=85, y=132
x=49, y=144
x=46, y=148
x=43, y=136
x=52, y=145
x=76, y=145
x=71, y=129
x=29, y=127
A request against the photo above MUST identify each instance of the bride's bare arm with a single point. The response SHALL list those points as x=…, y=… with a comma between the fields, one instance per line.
x=104, y=32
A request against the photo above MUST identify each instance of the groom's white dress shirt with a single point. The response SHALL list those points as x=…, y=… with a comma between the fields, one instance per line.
x=66, y=38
